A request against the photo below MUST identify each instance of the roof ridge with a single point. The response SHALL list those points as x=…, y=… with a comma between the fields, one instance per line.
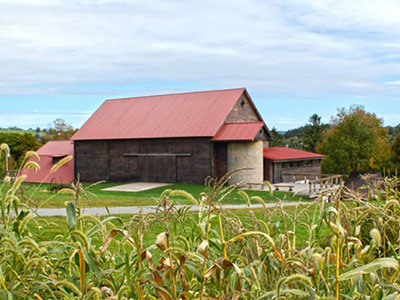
x=178, y=93
x=252, y=122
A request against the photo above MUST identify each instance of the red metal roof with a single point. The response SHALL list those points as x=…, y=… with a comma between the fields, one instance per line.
x=238, y=131
x=197, y=114
x=57, y=148
x=282, y=153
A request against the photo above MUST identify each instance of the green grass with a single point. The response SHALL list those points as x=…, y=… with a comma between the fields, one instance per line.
x=21, y=131
x=99, y=198
x=58, y=225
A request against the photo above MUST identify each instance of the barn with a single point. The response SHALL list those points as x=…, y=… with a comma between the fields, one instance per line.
x=174, y=138
x=50, y=154
x=286, y=164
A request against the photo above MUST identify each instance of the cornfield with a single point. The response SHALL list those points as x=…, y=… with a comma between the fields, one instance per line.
x=351, y=250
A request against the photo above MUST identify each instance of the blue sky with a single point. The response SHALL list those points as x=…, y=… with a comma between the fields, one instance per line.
x=62, y=58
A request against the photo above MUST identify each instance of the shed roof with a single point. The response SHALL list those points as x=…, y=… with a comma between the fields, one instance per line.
x=196, y=114
x=57, y=148
x=238, y=131
x=282, y=153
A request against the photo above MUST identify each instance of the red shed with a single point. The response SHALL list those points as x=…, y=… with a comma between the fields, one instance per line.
x=49, y=154
x=282, y=163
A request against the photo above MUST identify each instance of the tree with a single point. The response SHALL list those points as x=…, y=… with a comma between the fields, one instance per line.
x=396, y=151
x=296, y=132
x=294, y=142
x=277, y=138
x=357, y=142
x=60, y=130
x=19, y=144
x=312, y=133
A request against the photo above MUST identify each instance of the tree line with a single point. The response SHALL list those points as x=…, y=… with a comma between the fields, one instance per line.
x=21, y=141
x=355, y=141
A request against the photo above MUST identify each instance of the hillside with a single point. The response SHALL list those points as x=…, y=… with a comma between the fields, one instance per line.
x=35, y=133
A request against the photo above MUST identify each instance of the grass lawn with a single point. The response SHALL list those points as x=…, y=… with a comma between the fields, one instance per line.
x=58, y=225
x=40, y=196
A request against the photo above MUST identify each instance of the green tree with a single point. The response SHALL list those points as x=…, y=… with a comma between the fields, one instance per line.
x=396, y=151
x=277, y=138
x=19, y=144
x=294, y=142
x=60, y=130
x=312, y=133
x=296, y=132
x=357, y=142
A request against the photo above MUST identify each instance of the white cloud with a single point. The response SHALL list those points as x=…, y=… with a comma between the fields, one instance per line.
x=29, y=2
x=395, y=82
x=291, y=121
x=277, y=47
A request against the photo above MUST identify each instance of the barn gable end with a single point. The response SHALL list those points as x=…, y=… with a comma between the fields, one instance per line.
x=243, y=111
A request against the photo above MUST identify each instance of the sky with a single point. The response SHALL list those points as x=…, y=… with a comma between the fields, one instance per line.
x=63, y=58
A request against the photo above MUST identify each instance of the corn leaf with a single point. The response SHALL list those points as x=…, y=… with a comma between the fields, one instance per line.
x=374, y=266
x=71, y=217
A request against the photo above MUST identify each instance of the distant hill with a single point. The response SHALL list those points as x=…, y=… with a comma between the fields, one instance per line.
x=296, y=132
x=22, y=131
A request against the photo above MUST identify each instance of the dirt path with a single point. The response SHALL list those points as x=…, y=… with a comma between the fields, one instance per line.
x=101, y=211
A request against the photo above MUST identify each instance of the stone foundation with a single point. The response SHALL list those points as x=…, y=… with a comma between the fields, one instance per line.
x=246, y=155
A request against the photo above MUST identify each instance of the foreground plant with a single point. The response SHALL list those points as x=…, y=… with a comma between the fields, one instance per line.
x=345, y=249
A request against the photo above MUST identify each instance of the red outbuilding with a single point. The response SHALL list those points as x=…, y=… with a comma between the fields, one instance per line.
x=282, y=164
x=50, y=154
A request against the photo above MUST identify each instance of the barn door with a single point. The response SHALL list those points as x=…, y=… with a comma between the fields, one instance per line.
x=220, y=159
x=166, y=169
x=148, y=168
x=158, y=168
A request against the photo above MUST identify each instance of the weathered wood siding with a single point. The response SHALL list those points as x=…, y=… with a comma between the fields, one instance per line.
x=106, y=160
x=91, y=160
x=268, y=170
x=220, y=157
x=262, y=136
x=313, y=168
x=241, y=114
x=276, y=172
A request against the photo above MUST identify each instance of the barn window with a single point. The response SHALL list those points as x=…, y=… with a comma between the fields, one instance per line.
x=242, y=103
x=57, y=159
